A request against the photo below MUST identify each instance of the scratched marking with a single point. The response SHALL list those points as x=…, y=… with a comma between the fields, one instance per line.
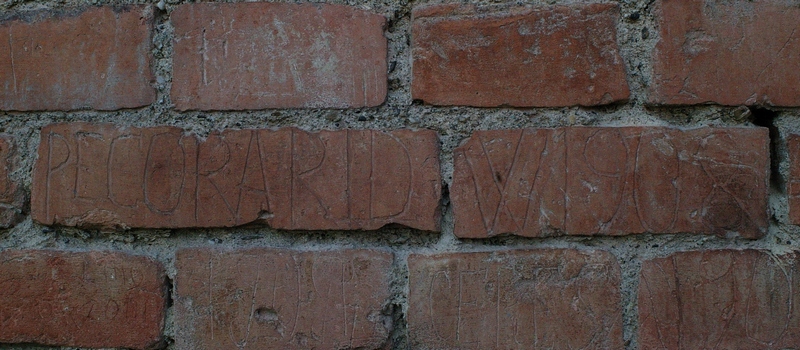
x=119, y=76
x=722, y=299
x=290, y=300
x=510, y=300
x=11, y=54
x=756, y=42
x=343, y=179
x=92, y=296
x=611, y=181
x=279, y=61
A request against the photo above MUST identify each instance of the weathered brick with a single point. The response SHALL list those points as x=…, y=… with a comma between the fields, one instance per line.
x=104, y=176
x=12, y=195
x=517, y=56
x=97, y=58
x=282, y=299
x=92, y=299
x=277, y=55
x=727, y=52
x=720, y=299
x=518, y=299
x=793, y=181
x=612, y=181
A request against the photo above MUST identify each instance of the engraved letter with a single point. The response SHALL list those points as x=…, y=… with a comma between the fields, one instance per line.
x=164, y=173
x=125, y=161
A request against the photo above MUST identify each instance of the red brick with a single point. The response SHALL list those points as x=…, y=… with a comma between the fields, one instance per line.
x=277, y=55
x=96, y=58
x=727, y=52
x=612, y=181
x=12, y=195
x=282, y=299
x=103, y=176
x=518, y=56
x=93, y=299
x=519, y=299
x=793, y=181
x=721, y=299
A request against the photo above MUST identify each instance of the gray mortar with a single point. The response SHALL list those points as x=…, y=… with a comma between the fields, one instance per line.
x=454, y=125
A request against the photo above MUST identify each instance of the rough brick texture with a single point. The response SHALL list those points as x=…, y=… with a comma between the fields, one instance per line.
x=281, y=299
x=96, y=58
x=793, y=181
x=612, y=181
x=519, y=299
x=12, y=195
x=103, y=176
x=93, y=299
x=518, y=56
x=722, y=299
x=727, y=52
x=277, y=55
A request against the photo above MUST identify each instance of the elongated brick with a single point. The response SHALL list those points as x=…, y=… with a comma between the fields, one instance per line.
x=727, y=52
x=92, y=299
x=103, y=176
x=516, y=299
x=612, y=181
x=541, y=56
x=97, y=58
x=724, y=299
x=277, y=55
x=282, y=299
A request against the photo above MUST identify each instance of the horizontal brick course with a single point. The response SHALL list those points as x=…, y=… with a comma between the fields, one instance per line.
x=108, y=177
x=92, y=299
x=96, y=58
x=730, y=53
x=282, y=299
x=612, y=181
x=277, y=55
x=517, y=56
x=724, y=299
x=515, y=299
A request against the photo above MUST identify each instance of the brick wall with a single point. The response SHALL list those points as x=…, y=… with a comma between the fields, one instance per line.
x=385, y=174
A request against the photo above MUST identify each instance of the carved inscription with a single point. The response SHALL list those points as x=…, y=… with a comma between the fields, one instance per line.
x=98, y=175
x=95, y=299
x=277, y=55
x=565, y=299
x=721, y=299
x=612, y=181
x=97, y=57
x=540, y=56
x=12, y=195
x=280, y=299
